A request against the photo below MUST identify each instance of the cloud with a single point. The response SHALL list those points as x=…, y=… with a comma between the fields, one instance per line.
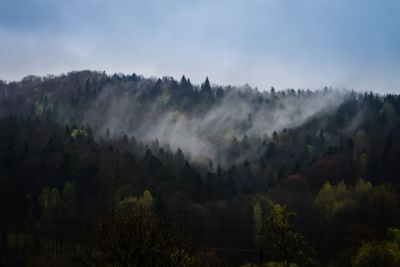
x=263, y=43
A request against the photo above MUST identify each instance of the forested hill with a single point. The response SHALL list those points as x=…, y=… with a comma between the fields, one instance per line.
x=224, y=124
x=215, y=158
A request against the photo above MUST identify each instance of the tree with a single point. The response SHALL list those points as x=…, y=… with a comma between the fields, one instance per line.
x=70, y=201
x=138, y=238
x=58, y=207
x=321, y=137
x=275, y=136
x=278, y=235
x=272, y=92
x=385, y=253
x=257, y=218
x=333, y=199
x=144, y=202
x=132, y=235
x=50, y=201
x=206, y=87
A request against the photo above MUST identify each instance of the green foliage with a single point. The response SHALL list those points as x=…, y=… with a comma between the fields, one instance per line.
x=257, y=218
x=271, y=264
x=279, y=264
x=39, y=108
x=376, y=204
x=386, y=254
x=206, y=258
x=70, y=201
x=387, y=109
x=69, y=194
x=138, y=238
x=332, y=199
x=363, y=187
x=261, y=202
x=383, y=254
x=164, y=98
x=393, y=234
x=325, y=195
x=55, y=204
x=42, y=106
x=50, y=201
x=249, y=265
x=360, y=136
x=278, y=235
x=77, y=132
x=130, y=203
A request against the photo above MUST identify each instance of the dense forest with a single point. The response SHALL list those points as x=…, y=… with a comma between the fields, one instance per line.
x=122, y=170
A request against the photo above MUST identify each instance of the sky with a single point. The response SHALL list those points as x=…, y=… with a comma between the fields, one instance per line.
x=305, y=44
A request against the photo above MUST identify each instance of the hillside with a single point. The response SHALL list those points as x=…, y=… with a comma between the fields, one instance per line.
x=214, y=159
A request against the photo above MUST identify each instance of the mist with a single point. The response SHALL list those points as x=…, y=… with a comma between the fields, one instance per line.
x=204, y=132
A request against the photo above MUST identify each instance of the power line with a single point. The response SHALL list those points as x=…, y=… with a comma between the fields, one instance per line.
x=260, y=250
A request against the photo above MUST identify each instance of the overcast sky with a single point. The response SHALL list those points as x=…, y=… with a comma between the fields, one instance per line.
x=282, y=43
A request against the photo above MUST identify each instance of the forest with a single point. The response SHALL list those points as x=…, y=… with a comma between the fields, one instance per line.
x=124, y=170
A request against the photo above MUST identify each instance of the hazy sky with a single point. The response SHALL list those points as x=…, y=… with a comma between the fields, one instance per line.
x=281, y=43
